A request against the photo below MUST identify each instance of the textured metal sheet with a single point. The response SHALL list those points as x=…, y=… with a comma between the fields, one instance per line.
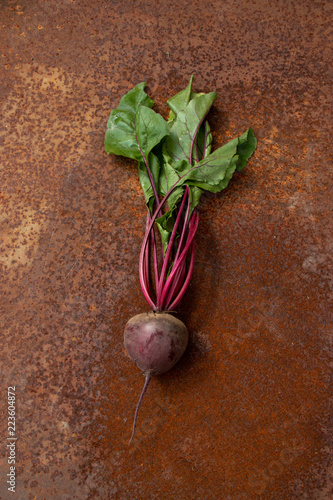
x=245, y=413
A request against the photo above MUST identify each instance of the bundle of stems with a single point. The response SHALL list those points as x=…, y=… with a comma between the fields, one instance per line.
x=171, y=272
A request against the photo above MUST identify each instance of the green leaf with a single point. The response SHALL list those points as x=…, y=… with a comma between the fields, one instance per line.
x=225, y=173
x=150, y=128
x=245, y=149
x=165, y=225
x=214, y=172
x=120, y=138
x=154, y=166
x=136, y=97
x=184, y=129
x=196, y=193
x=203, y=144
x=175, y=196
x=168, y=177
x=180, y=101
x=134, y=129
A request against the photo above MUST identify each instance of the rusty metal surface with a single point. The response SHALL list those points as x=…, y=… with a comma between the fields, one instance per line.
x=245, y=413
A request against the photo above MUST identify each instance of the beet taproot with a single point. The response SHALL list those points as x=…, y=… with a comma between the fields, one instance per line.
x=155, y=341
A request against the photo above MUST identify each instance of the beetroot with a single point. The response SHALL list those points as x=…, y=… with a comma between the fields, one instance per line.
x=175, y=166
x=155, y=341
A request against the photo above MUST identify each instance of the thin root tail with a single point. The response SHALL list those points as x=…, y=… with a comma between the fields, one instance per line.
x=145, y=386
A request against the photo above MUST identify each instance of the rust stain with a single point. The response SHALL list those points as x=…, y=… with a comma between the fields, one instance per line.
x=245, y=413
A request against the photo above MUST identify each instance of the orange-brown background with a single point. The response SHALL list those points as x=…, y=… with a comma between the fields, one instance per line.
x=244, y=415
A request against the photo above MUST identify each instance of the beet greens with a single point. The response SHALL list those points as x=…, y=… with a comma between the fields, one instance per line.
x=175, y=166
